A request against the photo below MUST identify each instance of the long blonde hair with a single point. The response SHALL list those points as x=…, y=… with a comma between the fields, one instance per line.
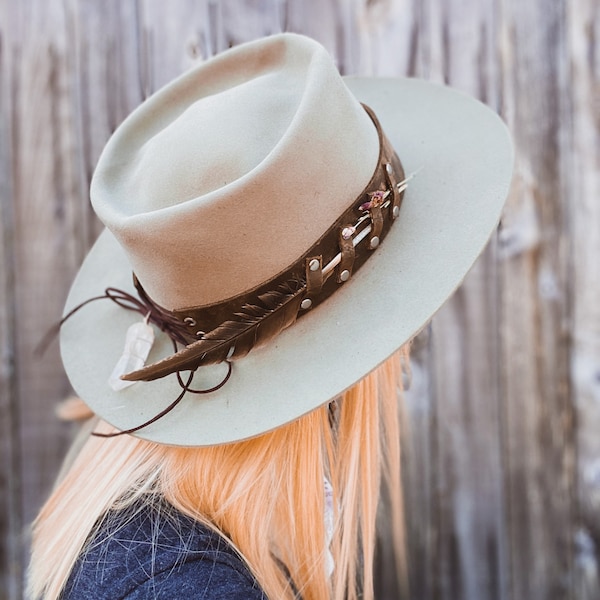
x=266, y=495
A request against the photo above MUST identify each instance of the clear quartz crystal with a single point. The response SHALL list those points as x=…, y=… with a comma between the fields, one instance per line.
x=138, y=343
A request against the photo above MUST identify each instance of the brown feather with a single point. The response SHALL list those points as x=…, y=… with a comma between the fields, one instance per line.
x=256, y=324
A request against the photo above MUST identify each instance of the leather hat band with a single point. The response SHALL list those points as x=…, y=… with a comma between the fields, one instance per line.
x=229, y=329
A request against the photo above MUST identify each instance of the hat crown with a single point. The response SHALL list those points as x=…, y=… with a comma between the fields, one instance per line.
x=229, y=141
x=218, y=182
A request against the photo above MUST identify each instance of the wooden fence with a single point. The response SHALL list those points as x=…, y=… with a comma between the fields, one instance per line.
x=502, y=422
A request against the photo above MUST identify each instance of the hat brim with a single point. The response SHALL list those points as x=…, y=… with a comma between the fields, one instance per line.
x=463, y=154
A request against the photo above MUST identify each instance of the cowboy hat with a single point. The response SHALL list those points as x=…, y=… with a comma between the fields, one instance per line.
x=237, y=195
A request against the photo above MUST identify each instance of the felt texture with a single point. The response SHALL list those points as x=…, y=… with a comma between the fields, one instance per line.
x=463, y=155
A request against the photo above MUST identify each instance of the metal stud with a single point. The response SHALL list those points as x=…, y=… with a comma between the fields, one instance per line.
x=306, y=303
x=345, y=275
x=396, y=212
x=374, y=242
x=200, y=333
x=388, y=168
x=314, y=264
x=189, y=321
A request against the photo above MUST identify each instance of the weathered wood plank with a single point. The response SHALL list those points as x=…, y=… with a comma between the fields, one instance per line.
x=172, y=44
x=583, y=192
x=538, y=413
x=387, y=38
x=11, y=517
x=47, y=219
x=105, y=46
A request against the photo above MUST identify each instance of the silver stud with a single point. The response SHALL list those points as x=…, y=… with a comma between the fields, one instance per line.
x=230, y=353
x=345, y=275
x=306, y=303
x=388, y=168
x=396, y=212
x=314, y=264
x=200, y=333
x=189, y=321
x=374, y=242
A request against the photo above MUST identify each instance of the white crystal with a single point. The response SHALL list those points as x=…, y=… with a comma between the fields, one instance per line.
x=138, y=343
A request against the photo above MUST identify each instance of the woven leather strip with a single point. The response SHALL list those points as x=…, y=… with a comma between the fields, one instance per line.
x=348, y=254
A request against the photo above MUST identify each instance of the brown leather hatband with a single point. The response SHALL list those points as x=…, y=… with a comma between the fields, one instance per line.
x=230, y=328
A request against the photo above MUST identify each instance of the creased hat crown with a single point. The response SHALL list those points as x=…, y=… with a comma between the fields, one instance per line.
x=232, y=171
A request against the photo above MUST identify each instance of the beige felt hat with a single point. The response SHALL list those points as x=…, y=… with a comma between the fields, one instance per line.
x=258, y=188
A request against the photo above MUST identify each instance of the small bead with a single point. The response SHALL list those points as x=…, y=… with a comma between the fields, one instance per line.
x=306, y=303
x=377, y=199
x=345, y=275
x=189, y=321
x=396, y=212
x=348, y=232
x=374, y=242
x=314, y=264
x=389, y=169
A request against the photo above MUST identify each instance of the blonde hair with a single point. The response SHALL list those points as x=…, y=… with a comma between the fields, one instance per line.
x=272, y=483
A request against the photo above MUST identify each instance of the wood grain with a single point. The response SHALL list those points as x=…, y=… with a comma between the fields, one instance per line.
x=501, y=452
x=538, y=442
x=582, y=168
x=11, y=517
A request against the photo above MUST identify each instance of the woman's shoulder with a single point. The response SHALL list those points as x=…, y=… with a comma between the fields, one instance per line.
x=153, y=551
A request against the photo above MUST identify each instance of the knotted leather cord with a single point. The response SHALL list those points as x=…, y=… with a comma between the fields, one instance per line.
x=163, y=321
x=143, y=305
